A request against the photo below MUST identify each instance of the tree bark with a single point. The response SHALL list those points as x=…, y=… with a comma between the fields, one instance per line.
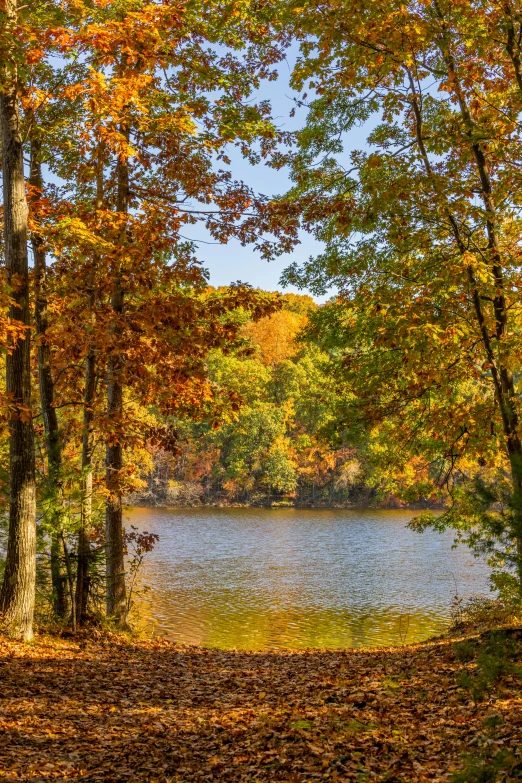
x=513, y=42
x=61, y=602
x=50, y=418
x=116, y=592
x=17, y=595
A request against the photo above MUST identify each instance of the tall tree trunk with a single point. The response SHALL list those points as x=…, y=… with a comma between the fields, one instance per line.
x=84, y=552
x=116, y=592
x=61, y=601
x=18, y=589
x=513, y=49
x=513, y=41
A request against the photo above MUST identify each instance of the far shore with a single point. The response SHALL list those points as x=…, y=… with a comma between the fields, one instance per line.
x=148, y=502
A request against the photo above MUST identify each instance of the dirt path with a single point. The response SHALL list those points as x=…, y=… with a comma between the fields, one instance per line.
x=109, y=710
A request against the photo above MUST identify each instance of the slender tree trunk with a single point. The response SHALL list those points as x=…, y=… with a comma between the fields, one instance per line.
x=61, y=605
x=70, y=582
x=61, y=602
x=84, y=551
x=18, y=589
x=513, y=49
x=116, y=593
x=50, y=417
x=513, y=42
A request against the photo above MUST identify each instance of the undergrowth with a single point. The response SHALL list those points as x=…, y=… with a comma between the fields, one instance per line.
x=493, y=656
x=487, y=660
x=479, y=614
x=489, y=767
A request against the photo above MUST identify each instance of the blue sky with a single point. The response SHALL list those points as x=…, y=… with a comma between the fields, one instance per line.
x=231, y=262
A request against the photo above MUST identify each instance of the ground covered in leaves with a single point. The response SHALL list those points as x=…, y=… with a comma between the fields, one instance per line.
x=106, y=709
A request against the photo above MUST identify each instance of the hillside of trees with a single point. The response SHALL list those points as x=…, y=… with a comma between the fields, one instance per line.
x=276, y=448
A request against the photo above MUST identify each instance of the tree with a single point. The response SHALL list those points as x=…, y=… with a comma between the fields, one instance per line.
x=274, y=440
x=135, y=154
x=421, y=230
x=52, y=500
x=275, y=335
x=18, y=588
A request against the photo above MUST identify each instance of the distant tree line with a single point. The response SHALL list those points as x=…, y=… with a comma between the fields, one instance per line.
x=274, y=448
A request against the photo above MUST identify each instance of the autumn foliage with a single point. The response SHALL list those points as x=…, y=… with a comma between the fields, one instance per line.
x=119, y=122
x=128, y=376
x=274, y=448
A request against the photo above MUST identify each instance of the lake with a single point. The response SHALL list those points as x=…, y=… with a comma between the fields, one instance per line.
x=291, y=578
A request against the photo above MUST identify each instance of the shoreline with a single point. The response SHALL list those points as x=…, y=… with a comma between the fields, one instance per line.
x=160, y=503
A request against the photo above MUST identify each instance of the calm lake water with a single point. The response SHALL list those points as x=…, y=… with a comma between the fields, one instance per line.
x=292, y=578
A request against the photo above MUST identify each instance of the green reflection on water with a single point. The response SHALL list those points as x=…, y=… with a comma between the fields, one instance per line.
x=216, y=625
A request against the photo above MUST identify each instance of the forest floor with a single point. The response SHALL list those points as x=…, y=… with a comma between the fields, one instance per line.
x=105, y=708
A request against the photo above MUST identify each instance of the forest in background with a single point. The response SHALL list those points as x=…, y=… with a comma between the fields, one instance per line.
x=278, y=448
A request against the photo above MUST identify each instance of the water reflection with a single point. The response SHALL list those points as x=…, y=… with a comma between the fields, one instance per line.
x=258, y=579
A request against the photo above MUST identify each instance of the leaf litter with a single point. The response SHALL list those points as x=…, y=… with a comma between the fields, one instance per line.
x=103, y=708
